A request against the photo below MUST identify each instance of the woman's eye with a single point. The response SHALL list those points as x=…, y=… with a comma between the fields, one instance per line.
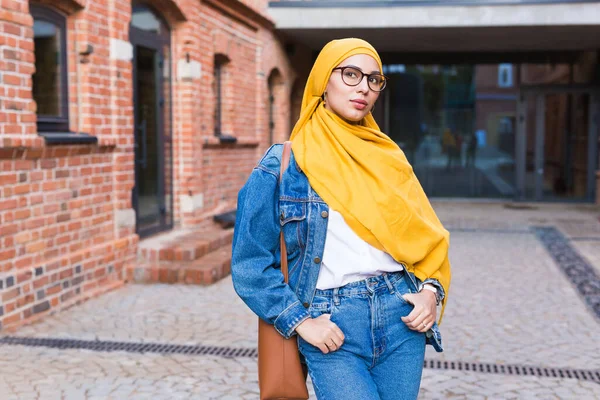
x=351, y=74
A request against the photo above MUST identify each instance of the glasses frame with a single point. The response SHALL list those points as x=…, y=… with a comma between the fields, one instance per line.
x=385, y=78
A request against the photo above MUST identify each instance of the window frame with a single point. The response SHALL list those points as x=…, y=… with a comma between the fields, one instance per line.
x=47, y=123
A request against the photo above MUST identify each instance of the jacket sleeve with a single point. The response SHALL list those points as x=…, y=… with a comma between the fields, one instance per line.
x=255, y=267
x=440, y=294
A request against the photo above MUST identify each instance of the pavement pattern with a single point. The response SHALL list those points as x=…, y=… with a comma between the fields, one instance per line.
x=516, y=301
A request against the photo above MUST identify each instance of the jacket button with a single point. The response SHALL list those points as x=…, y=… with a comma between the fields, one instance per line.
x=324, y=214
x=306, y=305
x=281, y=216
x=317, y=260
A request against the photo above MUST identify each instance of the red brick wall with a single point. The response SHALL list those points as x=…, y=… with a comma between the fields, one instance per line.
x=64, y=234
x=258, y=5
x=217, y=171
x=17, y=112
x=57, y=209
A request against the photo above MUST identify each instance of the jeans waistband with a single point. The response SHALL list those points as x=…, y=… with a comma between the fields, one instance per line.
x=373, y=284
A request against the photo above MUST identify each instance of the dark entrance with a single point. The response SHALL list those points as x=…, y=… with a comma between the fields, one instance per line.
x=152, y=195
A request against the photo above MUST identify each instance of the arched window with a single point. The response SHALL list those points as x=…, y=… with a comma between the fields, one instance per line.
x=143, y=18
x=50, y=86
x=220, y=62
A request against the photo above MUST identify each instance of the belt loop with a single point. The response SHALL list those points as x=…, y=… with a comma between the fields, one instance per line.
x=388, y=283
x=336, y=297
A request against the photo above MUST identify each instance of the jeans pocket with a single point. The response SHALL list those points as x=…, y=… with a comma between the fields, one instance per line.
x=401, y=287
x=319, y=306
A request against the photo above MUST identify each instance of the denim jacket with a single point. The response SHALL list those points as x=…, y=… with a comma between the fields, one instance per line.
x=264, y=208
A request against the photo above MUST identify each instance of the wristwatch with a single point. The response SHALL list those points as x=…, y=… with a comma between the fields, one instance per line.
x=434, y=290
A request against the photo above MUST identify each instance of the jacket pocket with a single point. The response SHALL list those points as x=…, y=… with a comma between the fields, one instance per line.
x=292, y=218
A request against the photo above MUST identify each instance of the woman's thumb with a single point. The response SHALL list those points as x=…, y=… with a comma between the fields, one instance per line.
x=408, y=297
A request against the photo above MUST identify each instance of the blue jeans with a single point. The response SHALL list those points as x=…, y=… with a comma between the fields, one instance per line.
x=381, y=358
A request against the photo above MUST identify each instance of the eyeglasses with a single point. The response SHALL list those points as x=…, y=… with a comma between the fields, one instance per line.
x=352, y=76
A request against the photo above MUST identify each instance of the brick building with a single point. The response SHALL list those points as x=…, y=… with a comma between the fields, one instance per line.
x=128, y=127
x=119, y=121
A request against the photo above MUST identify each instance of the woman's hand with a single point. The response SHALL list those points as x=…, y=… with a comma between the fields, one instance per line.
x=422, y=317
x=321, y=333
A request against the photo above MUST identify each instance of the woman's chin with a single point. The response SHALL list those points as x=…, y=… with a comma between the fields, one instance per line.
x=354, y=116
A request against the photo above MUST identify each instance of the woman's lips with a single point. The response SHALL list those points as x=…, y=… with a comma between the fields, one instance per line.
x=359, y=104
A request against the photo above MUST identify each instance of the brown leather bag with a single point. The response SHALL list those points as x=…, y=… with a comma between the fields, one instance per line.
x=281, y=376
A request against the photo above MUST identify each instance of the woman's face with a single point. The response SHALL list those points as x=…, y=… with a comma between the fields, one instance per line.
x=352, y=103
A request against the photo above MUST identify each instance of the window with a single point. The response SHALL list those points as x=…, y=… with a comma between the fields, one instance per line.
x=220, y=62
x=145, y=19
x=50, y=86
x=505, y=75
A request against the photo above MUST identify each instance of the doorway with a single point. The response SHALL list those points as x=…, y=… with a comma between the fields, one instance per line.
x=557, y=143
x=151, y=197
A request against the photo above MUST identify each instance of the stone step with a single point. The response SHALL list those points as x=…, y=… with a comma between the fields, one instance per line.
x=183, y=245
x=203, y=271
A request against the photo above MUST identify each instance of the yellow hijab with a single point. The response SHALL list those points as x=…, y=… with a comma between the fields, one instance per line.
x=360, y=172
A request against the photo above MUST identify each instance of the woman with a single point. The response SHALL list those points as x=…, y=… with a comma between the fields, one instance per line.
x=367, y=256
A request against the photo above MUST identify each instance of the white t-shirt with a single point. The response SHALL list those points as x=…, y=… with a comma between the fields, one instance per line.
x=348, y=258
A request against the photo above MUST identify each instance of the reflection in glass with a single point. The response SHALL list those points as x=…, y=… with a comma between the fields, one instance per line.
x=145, y=19
x=167, y=138
x=154, y=154
x=557, y=146
x=457, y=125
x=47, y=77
x=147, y=140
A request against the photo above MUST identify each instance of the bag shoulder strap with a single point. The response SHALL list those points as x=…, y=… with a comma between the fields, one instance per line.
x=285, y=161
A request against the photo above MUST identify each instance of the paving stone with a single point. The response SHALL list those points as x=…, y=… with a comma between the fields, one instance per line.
x=509, y=304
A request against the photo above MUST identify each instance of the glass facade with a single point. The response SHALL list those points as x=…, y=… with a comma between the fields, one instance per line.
x=459, y=127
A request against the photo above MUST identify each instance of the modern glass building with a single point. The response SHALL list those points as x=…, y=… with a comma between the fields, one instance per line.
x=488, y=99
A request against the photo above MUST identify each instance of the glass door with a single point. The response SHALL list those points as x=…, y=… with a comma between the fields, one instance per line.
x=456, y=127
x=148, y=168
x=559, y=144
x=152, y=195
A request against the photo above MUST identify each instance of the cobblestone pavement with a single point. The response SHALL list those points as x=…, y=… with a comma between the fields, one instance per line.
x=510, y=304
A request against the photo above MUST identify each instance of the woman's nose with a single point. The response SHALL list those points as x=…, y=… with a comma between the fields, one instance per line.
x=363, y=86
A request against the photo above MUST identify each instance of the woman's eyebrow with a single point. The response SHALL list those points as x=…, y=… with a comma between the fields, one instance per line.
x=375, y=71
